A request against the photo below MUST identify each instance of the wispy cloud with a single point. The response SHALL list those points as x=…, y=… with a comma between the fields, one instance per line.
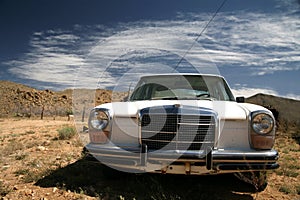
x=52, y=58
x=92, y=56
x=248, y=92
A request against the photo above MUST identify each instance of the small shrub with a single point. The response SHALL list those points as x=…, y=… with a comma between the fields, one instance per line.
x=294, y=166
x=69, y=112
x=21, y=172
x=34, y=163
x=66, y=133
x=286, y=151
x=20, y=156
x=291, y=173
x=32, y=175
x=4, y=190
x=12, y=147
x=285, y=189
x=78, y=143
x=297, y=189
x=30, y=132
x=288, y=169
x=296, y=136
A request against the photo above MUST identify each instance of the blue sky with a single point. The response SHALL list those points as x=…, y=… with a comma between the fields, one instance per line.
x=55, y=44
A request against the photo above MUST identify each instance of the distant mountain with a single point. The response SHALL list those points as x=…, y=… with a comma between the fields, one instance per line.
x=287, y=110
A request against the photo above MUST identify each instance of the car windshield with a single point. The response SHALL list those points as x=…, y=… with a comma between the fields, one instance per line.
x=182, y=87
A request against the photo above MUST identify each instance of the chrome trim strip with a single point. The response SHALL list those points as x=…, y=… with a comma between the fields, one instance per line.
x=270, y=156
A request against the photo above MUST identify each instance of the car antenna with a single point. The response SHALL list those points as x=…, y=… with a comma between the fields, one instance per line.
x=129, y=90
x=200, y=33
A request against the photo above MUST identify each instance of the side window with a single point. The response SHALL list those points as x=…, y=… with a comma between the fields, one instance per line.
x=222, y=93
x=147, y=92
x=219, y=89
x=137, y=93
x=143, y=92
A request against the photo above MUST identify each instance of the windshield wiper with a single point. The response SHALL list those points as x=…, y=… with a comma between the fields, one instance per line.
x=205, y=96
x=164, y=98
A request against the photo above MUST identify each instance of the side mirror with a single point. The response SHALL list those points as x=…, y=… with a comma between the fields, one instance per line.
x=240, y=99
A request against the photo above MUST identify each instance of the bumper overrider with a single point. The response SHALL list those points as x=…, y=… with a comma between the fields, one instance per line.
x=208, y=161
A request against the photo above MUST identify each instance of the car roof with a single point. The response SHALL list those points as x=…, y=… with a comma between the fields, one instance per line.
x=182, y=74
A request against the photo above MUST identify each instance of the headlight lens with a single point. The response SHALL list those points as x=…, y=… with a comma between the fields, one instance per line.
x=99, y=119
x=262, y=123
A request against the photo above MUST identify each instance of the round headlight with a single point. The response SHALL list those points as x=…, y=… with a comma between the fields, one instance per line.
x=262, y=123
x=99, y=119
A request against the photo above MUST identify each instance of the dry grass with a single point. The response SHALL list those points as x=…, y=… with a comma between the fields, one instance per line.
x=30, y=150
x=289, y=171
x=37, y=164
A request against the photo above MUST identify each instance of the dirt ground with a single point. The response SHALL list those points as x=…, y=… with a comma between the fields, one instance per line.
x=36, y=163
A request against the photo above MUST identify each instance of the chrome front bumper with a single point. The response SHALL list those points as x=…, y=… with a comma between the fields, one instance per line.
x=208, y=161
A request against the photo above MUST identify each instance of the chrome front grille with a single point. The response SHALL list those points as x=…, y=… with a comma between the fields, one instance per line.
x=177, y=132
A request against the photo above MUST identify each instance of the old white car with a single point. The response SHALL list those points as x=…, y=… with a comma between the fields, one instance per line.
x=183, y=124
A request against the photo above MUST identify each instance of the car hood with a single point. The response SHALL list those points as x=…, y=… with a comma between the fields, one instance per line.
x=228, y=110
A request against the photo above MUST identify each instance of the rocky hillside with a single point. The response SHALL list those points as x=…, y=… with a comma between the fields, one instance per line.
x=23, y=101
